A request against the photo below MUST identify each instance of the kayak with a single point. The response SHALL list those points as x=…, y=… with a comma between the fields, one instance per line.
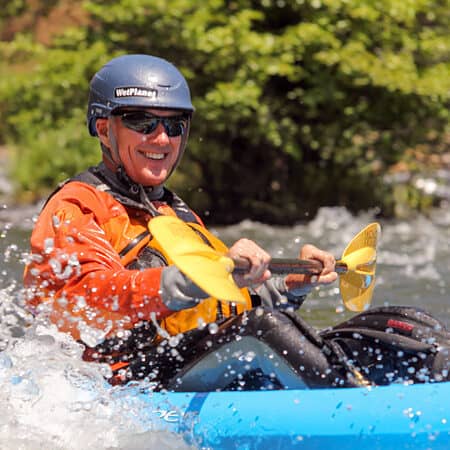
x=385, y=417
x=402, y=346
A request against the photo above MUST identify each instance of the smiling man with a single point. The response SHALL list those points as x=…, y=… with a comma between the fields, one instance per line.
x=94, y=269
x=148, y=142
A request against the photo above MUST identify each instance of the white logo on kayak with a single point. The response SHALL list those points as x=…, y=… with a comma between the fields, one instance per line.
x=168, y=415
x=131, y=91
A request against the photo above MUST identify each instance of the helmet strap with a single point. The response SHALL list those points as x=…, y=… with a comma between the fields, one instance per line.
x=114, y=150
x=111, y=153
x=183, y=144
x=107, y=154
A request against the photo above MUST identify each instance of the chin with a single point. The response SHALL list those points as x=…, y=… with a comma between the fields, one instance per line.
x=149, y=180
x=155, y=181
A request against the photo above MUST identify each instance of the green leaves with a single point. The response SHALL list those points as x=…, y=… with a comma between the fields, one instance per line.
x=311, y=100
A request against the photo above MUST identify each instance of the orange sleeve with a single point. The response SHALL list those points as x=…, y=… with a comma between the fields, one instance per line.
x=76, y=265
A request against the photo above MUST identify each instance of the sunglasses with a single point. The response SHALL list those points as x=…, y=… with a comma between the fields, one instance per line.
x=146, y=123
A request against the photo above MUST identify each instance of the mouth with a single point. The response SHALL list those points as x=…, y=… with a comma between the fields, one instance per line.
x=154, y=156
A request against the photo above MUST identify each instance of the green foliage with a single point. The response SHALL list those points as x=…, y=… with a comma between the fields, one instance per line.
x=298, y=104
x=45, y=113
x=53, y=156
x=12, y=8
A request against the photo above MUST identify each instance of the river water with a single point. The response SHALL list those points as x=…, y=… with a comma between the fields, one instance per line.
x=53, y=400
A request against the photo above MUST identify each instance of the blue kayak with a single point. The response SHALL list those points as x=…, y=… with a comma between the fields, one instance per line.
x=389, y=417
x=393, y=344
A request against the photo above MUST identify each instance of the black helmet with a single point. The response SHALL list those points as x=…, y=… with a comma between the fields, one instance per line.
x=136, y=80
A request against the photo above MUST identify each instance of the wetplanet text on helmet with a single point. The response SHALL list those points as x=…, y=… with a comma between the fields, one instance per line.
x=131, y=91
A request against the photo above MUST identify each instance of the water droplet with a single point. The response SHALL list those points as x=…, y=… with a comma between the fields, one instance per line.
x=249, y=356
x=49, y=245
x=201, y=324
x=213, y=328
x=56, y=221
x=5, y=361
x=81, y=302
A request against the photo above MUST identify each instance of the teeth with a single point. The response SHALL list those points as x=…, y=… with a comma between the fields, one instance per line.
x=154, y=155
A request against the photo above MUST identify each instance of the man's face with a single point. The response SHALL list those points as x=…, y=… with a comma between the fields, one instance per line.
x=148, y=158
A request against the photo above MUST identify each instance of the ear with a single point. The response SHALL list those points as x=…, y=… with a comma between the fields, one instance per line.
x=101, y=125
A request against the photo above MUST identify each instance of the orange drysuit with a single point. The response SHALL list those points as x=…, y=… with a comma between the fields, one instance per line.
x=82, y=243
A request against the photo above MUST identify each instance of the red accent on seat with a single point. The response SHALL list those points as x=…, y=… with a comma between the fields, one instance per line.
x=400, y=325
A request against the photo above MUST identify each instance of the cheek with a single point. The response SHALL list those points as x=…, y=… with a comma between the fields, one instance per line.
x=127, y=142
x=176, y=149
x=126, y=155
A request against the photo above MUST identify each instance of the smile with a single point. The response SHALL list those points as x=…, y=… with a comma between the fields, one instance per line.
x=154, y=156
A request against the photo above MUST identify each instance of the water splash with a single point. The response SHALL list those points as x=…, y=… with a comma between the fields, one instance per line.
x=52, y=399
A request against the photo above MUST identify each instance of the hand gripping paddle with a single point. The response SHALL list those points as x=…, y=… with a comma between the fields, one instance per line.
x=186, y=247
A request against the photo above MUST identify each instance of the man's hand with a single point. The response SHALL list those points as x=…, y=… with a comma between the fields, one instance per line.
x=307, y=282
x=257, y=258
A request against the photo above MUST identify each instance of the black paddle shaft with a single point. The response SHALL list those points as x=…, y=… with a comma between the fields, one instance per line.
x=279, y=266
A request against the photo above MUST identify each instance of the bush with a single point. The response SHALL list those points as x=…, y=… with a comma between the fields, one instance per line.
x=313, y=102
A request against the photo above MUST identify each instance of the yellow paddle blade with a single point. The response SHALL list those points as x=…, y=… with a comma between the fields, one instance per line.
x=209, y=269
x=357, y=284
x=218, y=245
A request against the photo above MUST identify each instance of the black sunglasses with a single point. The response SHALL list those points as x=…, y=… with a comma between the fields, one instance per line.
x=146, y=123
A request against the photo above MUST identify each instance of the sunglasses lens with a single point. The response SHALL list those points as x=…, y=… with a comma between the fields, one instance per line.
x=146, y=123
x=140, y=122
x=174, y=126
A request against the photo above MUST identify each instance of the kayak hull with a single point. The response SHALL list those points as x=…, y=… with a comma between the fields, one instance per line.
x=390, y=417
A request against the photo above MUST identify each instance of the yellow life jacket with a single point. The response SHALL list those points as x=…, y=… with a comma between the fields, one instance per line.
x=208, y=310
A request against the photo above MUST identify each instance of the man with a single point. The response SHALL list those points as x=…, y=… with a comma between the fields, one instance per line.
x=94, y=269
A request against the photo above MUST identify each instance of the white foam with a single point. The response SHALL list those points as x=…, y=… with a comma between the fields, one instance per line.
x=51, y=399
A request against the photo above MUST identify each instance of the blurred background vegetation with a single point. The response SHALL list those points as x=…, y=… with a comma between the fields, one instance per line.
x=299, y=103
